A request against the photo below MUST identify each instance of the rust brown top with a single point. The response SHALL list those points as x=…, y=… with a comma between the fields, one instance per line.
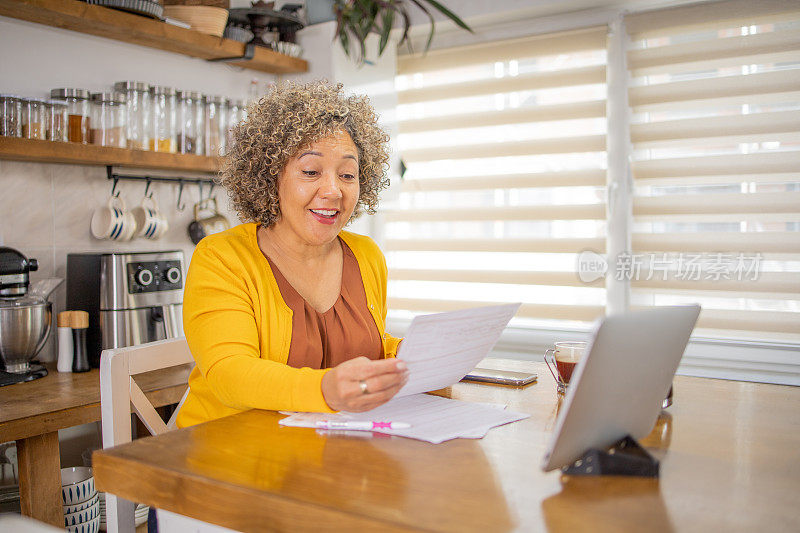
x=343, y=332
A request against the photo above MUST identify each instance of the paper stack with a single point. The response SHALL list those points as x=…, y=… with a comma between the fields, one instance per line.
x=439, y=350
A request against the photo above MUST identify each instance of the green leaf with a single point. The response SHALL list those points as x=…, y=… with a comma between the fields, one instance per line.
x=433, y=23
x=355, y=19
x=345, y=40
x=386, y=30
x=449, y=14
x=406, y=25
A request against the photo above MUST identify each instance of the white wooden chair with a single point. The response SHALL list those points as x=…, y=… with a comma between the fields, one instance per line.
x=118, y=391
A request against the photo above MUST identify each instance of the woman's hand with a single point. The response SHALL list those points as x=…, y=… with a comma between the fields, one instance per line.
x=362, y=384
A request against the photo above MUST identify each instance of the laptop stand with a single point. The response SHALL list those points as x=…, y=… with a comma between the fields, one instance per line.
x=626, y=457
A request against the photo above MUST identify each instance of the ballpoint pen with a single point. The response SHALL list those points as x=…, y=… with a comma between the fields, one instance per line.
x=368, y=426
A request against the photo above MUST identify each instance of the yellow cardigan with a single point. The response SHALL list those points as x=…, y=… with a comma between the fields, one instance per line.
x=239, y=329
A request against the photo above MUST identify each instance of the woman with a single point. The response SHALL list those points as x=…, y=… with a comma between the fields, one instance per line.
x=287, y=312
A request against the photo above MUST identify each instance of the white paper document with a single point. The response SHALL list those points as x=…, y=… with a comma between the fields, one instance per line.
x=432, y=418
x=439, y=350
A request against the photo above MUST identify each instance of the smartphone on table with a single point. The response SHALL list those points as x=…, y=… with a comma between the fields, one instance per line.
x=502, y=377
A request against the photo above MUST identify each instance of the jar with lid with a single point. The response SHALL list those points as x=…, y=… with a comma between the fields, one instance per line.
x=163, y=136
x=137, y=97
x=216, y=124
x=10, y=116
x=57, y=118
x=77, y=113
x=109, y=120
x=191, y=122
x=235, y=115
x=33, y=119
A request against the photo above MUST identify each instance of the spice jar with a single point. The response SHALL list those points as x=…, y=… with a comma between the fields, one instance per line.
x=163, y=136
x=10, y=116
x=235, y=112
x=57, y=118
x=109, y=120
x=191, y=122
x=33, y=119
x=137, y=96
x=216, y=124
x=77, y=113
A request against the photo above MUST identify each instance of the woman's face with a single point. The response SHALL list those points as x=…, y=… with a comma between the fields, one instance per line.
x=318, y=190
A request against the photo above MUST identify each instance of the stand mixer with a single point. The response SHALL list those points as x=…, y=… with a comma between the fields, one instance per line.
x=25, y=318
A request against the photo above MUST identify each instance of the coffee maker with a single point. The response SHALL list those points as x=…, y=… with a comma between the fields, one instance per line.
x=131, y=298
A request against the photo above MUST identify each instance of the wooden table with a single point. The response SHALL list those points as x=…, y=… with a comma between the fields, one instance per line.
x=729, y=456
x=32, y=413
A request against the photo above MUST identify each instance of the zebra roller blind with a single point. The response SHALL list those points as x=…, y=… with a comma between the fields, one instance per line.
x=504, y=145
x=715, y=99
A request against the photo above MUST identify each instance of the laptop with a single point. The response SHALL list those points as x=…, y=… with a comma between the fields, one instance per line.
x=619, y=385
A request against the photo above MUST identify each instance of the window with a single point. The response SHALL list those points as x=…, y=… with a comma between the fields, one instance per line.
x=505, y=150
x=715, y=97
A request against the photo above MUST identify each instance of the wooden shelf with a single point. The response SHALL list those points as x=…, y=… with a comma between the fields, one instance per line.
x=113, y=24
x=15, y=149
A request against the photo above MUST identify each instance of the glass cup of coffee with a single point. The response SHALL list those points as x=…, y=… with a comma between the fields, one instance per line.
x=562, y=360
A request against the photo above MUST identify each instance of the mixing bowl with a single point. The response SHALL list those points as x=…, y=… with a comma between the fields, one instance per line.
x=24, y=326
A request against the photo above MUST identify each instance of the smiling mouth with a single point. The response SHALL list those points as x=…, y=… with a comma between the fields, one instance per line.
x=326, y=213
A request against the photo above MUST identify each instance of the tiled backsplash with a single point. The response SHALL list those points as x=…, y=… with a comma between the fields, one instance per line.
x=45, y=211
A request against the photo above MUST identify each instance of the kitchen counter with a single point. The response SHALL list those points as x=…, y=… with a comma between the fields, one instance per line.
x=32, y=413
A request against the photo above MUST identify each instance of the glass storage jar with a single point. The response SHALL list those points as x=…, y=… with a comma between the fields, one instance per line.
x=10, y=116
x=216, y=124
x=235, y=115
x=137, y=96
x=33, y=119
x=57, y=118
x=163, y=136
x=77, y=113
x=109, y=120
x=48, y=118
x=191, y=122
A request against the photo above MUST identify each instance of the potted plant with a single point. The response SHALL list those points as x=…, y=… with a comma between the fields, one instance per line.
x=357, y=18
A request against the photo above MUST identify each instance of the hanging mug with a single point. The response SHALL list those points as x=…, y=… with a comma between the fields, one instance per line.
x=200, y=227
x=113, y=221
x=151, y=223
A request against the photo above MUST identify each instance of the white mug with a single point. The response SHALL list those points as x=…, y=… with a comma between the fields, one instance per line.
x=151, y=223
x=112, y=221
x=129, y=229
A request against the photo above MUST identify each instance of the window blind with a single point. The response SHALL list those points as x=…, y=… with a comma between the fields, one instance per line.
x=715, y=97
x=504, y=146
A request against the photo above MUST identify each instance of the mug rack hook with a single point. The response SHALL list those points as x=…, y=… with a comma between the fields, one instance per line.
x=147, y=189
x=114, y=191
x=180, y=206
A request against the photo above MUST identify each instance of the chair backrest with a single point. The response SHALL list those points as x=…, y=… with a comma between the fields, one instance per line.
x=119, y=391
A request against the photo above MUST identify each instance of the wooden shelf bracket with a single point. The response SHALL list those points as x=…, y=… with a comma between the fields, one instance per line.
x=249, y=53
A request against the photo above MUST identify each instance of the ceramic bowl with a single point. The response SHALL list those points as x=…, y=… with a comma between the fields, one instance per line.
x=77, y=484
x=238, y=34
x=92, y=526
x=82, y=505
x=290, y=49
x=140, y=513
x=82, y=517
